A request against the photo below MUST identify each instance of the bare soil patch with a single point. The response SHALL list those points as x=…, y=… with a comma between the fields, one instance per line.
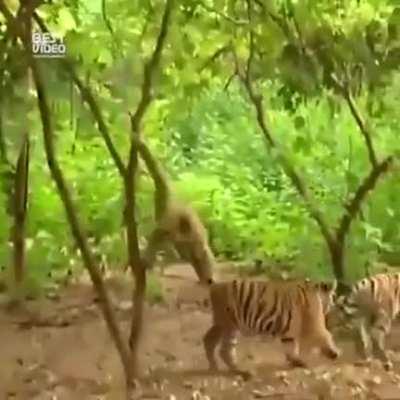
x=59, y=349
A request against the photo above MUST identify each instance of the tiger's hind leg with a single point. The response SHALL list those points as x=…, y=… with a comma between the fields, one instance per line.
x=292, y=351
x=210, y=341
x=229, y=355
x=379, y=330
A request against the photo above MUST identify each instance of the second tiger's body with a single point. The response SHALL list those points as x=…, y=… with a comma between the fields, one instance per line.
x=293, y=311
x=373, y=303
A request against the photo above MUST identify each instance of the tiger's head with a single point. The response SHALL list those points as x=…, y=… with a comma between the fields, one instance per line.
x=327, y=291
x=194, y=244
x=341, y=316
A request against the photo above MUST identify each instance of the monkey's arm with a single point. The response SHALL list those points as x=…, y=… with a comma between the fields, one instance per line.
x=157, y=239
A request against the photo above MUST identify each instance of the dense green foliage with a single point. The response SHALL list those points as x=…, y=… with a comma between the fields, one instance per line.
x=206, y=134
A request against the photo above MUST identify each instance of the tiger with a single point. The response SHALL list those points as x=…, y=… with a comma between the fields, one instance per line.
x=177, y=223
x=372, y=303
x=293, y=311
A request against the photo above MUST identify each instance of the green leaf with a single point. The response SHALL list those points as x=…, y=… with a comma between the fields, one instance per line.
x=66, y=21
x=105, y=57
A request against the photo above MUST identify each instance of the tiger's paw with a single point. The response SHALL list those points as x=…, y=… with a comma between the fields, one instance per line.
x=213, y=367
x=246, y=375
x=364, y=361
x=387, y=365
x=296, y=362
x=333, y=354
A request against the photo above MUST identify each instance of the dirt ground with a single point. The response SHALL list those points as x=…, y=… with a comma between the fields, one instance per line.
x=59, y=349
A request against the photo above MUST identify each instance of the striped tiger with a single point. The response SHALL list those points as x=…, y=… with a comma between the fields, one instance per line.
x=373, y=303
x=292, y=310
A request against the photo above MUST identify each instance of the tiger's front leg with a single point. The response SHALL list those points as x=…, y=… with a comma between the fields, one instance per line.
x=363, y=341
x=327, y=345
x=379, y=331
x=211, y=340
x=292, y=351
x=228, y=353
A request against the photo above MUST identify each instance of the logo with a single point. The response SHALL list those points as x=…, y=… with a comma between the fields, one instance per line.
x=45, y=46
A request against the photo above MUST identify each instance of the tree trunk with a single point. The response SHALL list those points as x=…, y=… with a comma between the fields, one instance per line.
x=336, y=250
x=135, y=262
x=77, y=231
x=20, y=208
x=137, y=322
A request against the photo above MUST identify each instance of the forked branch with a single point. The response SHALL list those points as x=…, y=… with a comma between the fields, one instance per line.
x=353, y=206
x=149, y=70
x=334, y=239
x=138, y=268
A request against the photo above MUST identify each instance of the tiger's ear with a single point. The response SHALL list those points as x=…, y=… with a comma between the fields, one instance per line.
x=329, y=286
x=184, y=225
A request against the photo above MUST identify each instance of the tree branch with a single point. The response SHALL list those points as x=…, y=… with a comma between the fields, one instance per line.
x=135, y=119
x=149, y=70
x=354, y=205
x=221, y=50
x=277, y=19
x=3, y=146
x=20, y=207
x=335, y=240
x=25, y=12
x=134, y=260
x=76, y=228
x=114, y=42
x=230, y=80
x=295, y=178
x=57, y=175
x=290, y=171
x=107, y=22
x=344, y=89
x=222, y=15
x=7, y=169
x=90, y=100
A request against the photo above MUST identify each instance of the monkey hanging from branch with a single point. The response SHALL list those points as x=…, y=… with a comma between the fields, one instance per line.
x=176, y=222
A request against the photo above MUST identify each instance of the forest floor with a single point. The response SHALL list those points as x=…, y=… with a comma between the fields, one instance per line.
x=59, y=349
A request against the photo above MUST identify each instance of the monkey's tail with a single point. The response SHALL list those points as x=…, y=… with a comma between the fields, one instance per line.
x=160, y=179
